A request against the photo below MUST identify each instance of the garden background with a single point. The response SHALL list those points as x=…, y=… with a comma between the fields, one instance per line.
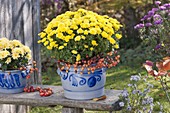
x=134, y=52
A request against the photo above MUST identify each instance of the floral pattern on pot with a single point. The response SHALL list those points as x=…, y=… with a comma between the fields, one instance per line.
x=12, y=81
x=83, y=86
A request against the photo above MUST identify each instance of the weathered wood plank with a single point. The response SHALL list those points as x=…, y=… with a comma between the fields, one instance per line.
x=35, y=31
x=33, y=99
x=72, y=110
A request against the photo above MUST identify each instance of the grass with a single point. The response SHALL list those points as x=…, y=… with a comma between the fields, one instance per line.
x=117, y=78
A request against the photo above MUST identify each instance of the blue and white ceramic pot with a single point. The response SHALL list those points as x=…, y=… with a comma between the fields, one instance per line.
x=83, y=86
x=12, y=81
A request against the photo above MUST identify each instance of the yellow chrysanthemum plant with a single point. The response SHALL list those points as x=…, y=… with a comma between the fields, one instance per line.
x=82, y=38
x=13, y=54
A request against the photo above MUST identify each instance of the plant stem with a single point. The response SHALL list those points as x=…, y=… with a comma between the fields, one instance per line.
x=162, y=83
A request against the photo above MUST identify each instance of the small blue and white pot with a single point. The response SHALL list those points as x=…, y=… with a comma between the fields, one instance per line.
x=83, y=86
x=12, y=81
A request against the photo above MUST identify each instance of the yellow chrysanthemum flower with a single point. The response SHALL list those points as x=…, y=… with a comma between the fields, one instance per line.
x=80, y=31
x=93, y=42
x=52, y=44
x=49, y=47
x=61, y=47
x=86, y=32
x=46, y=43
x=19, y=51
x=104, y=34
x=93, y=31
x=74, y=51
x=86, y=46
x=26, y=49
x=112, y=41
x=78, y=38
x=28, y=56
x=65, y=44
x=83, y=37
x=15, y=55
x=78, y=58
x=59, y=35
x=8, y=60
x=70, y=32
x=116, y=46
x=4, y=54
x=44, y=39
x=91, y=48
x=67, y=38
x=118, y=36
x=42, y=34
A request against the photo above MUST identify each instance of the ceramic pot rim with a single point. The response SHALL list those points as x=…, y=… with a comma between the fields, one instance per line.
x=15, y=70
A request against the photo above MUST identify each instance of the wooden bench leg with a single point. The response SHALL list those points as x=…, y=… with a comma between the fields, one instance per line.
x=66, y=109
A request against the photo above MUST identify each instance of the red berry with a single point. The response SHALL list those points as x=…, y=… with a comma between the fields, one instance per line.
x=41, y=91
x=50, y=92
x=49, y=89
x=46, y=94
x=31, y=87
x=41, y=94
x=28, y=76
x=32, y=90
x=28, y=90
x=25, y=89
x=36, y=69
x=38, y=88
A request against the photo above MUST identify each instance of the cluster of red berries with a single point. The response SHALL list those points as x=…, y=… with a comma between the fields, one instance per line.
x=42, y=91
x=91, y=64
x=31, y=70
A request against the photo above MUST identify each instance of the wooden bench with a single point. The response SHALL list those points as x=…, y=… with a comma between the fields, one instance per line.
x=111, y=103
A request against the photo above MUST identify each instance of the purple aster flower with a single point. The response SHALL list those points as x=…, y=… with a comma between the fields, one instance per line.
x=162, y=8
x=155, y=9
x=167, y=11
x=148, y=24
x=167, y=5
x=158, y=47
x=59, y=6
x=129, y=108
x=121, y=104
x=139, y=26
x=157, y=22
x=149, y=18
x=157, y=17
x=157, y=2
x=134, y=91
x=135, y=78
x=148, y=100
x=144, y=18
x=125, y=93
x=151, y=13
